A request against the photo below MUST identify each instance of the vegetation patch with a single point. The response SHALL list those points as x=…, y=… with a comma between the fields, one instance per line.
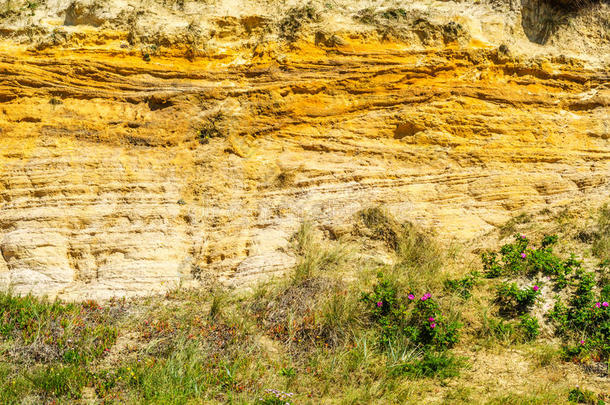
x=342, y=327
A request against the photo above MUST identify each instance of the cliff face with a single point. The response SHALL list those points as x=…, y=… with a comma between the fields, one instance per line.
x=145, y=146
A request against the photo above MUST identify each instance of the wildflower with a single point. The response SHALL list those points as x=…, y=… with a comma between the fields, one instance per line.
x=523, y=255
x=522, y=236
x=432, y=325
x=431, y=319
x=424, y=298
x=535, y=288
x=598, y=304
x=604, y=304
x=380, y=303
x=411, y=297
x=582, y=342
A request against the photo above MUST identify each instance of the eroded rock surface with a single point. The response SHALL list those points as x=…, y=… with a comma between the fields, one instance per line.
x=142, y=148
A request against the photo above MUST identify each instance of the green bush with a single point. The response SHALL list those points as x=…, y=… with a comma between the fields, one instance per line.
x=585, y=321
x=420, y=319
x=584, y=396
x=462, y=286
x=517, y=259
x=514, y=300
x=530, y=328
x=441, y=364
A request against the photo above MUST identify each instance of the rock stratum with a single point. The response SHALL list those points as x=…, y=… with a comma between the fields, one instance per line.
x=145, y=145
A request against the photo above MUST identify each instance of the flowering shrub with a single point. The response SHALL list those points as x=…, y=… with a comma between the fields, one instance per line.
x=420, y=319
x=585, y=321
x=516, y=301
x=517, y=259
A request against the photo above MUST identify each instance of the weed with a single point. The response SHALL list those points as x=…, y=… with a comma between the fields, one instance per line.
x=217, y=305
x=413, y=248
x=61, y=381
x=545, y=355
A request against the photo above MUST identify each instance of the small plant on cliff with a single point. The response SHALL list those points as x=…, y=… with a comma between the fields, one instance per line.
x=209, y=129
x=294, y=20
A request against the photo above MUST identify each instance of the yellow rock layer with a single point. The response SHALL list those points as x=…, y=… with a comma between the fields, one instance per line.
x=125, y=176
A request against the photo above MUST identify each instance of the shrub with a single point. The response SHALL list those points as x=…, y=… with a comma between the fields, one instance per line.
x=420, y=319
x=585, y=321
x=462, y=286
x=432, y=364
x=584, y=396
x=530, y=328
x=516, y=301
x=516, y=259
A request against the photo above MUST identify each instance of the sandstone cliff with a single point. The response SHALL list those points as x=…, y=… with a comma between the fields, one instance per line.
x=146, y=144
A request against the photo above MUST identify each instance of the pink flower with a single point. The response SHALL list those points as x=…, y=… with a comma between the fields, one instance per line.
x=424, y=298
x=432, y=325
x=431, y=319
x=598, y=304
x=522, y=236
x=379, y=303
x=582, y=342
x=604, y=304
x=411, y=296
x=535, y=288
x=523, y=255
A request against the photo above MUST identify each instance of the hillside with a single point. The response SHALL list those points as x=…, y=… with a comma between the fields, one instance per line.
x=354, y=202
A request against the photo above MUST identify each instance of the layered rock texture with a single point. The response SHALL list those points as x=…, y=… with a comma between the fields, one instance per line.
x=145, y=145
